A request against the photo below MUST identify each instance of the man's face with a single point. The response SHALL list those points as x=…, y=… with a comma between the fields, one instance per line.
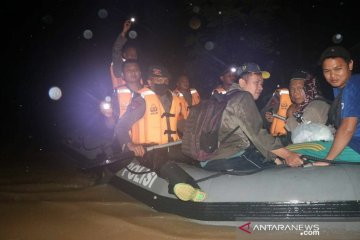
x=297, y=92
x=252, y=83
x=183, y=83
x=132, y=73
x=130, y=53
x=228, y=78
x=336, y=71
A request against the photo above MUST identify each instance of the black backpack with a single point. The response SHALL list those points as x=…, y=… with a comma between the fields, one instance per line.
x=200, y=137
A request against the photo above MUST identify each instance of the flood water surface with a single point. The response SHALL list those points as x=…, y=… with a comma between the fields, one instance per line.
x=43, y=196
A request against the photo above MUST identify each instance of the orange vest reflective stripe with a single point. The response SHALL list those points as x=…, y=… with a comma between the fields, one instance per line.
x=116, y=81
x=152, y=126
x=219, y=90
x=195, y=99
x=279, y=119
x=124, y=96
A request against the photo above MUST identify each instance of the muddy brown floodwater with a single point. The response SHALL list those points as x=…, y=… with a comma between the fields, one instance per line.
x=43, y=196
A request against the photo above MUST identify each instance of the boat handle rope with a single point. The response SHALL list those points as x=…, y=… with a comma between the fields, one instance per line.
x=239, y=172
x=311, y=159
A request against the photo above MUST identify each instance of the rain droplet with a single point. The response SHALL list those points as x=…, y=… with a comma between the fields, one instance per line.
x=337, y=38
x=209, y=45
x=132, y=34
x=196, y=9
x=55, y=93
x=88, y=34
x=103, y=13
x=107, y=99
x=195, y=23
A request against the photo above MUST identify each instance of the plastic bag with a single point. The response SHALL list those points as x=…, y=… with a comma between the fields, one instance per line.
x=309, y=132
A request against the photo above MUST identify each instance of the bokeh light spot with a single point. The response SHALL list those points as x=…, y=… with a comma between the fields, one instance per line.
x=209, y=45
x=88, y=34
x=133, y=34
x=107, y=99
x=337, y=38
x=103, y=13
x=195, y=23
x=55, y=93
x=196, y=9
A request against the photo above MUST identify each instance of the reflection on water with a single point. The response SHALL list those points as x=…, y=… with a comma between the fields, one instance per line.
x=44, y=196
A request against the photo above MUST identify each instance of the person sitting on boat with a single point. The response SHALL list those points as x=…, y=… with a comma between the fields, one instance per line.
x=131, y=74
x=227, y=78
x=308, y=105
x=189, y=96
x=250, y=146
x=152, y=117
x=344, y=112
x=183, y=90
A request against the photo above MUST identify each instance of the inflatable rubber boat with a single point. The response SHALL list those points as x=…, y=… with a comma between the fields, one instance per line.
x=312, y=194
x=285, y=194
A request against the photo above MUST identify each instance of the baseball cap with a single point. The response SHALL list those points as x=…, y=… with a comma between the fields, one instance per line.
x=302, y=75
x=254, y=68
x=335, y=51
x=158, y=71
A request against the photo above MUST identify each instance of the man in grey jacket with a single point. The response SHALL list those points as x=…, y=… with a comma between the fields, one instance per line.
x=250, y=146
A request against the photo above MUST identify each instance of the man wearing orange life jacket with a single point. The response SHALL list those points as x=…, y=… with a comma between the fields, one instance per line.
x=190, y=96
x=131, y=74
x=227, y=77
x=121, y=52
x=154, y=113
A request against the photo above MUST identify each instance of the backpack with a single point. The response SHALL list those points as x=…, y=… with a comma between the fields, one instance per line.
x=200, y=137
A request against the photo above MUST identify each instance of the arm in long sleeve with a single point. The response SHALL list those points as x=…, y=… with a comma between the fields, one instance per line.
x=316, y=111
x=134, y=112
x=117, y=50
x=252, y=125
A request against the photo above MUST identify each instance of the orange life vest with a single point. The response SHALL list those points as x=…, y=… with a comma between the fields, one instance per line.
x=156, y=126
x=116, y=81
x=195, y=98
x=279, y=118
x=124, y=96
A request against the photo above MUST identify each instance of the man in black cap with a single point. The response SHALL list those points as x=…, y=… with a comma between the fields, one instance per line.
x=227, y=78
x=344, y=113
x=152, y=118
x=249, y=146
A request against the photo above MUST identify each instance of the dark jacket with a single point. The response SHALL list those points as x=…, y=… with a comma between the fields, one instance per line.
x=242, y=111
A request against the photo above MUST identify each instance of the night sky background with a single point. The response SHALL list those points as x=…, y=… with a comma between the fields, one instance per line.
x=45, y=46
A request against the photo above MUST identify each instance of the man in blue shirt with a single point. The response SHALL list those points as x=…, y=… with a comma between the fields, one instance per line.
x=337, y=66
